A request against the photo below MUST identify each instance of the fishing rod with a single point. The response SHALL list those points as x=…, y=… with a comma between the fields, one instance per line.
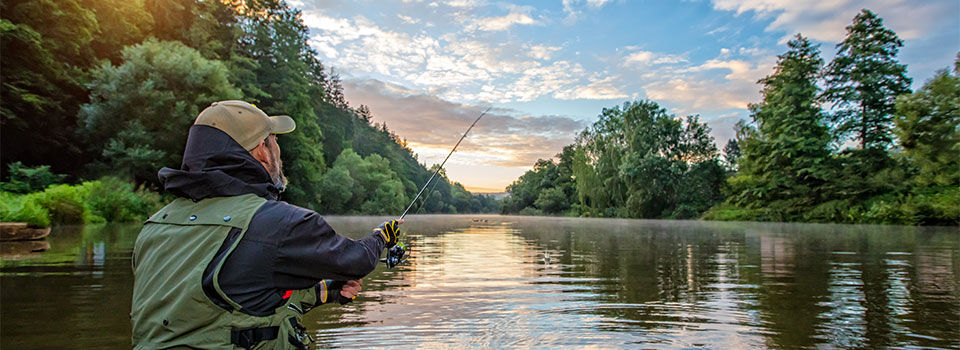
x=396, y=255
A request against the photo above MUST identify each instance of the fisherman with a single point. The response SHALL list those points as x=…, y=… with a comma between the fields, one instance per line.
x=227, y=265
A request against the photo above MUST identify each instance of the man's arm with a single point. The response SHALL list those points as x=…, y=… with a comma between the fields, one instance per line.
x=311, y=251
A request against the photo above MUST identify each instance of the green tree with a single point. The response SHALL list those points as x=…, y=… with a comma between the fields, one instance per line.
x=361, y=185
x=289, y=80
x=864, y=80
x=141, y=109
x=928, y=126
x=638, y=161
x=785, y=157
x=732, y=154
x=46, y=47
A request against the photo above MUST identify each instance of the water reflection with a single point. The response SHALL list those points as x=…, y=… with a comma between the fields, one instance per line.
x=491, y=281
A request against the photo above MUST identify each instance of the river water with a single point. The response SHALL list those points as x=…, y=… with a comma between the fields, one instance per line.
x=503, y=281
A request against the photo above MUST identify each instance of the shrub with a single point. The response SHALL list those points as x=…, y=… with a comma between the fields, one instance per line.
x=65, y=203
x=29, y=179
x=115, y=200
x=530, y=211
x=22, y=208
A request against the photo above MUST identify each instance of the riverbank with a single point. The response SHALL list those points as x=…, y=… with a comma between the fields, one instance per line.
x=108, y=199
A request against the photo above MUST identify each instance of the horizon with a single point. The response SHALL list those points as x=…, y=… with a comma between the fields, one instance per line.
x=548, y=69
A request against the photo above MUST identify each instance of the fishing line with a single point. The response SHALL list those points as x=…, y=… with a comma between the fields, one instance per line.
x=442, y=163
x=396, y=255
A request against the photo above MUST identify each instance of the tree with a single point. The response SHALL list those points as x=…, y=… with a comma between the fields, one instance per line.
x=142, y=108
x=928, y=126
x=732, y=154
x=785, y=154
x=365, y=185
x=640, y=161
x=46, y=47
x=864, y=80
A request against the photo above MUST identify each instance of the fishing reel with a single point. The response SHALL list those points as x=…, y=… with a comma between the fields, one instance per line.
x=395, y=256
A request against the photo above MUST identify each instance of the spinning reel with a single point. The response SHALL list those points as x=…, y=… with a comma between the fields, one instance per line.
x=396, y=255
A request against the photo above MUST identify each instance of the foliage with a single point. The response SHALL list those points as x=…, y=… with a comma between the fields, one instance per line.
x=115, y=200
x=864, y=80
x=22, y=208
x=788, y=172
x=785, y=149
x=29, y=179
x=56, y=42
x=366, y=184
x=928, y=125
x=637, y=161
x=141, y=108
x=65, y=203
x=650, y=164
x=105, y=200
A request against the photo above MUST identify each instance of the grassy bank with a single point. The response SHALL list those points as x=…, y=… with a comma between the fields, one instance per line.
x=105, y=200
x=925, y=206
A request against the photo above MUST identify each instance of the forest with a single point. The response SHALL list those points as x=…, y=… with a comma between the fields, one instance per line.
x=104, y=91
x=844, y=141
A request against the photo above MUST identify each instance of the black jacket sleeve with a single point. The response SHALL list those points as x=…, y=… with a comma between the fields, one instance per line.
x=309, y=250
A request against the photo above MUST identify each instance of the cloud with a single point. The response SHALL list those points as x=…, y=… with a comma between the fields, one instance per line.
x=721, y=128
x=504, y=138
x=824, y=20
x=455, y=65
x=651, y=58
x=573, y=8
x=599, y=89
x=698, y=88
x=541, y=52
x=408, y=19
x=501, y=23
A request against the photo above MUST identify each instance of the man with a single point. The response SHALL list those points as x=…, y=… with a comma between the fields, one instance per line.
x=227, y=265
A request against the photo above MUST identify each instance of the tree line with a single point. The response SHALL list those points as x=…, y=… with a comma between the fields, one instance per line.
x=845, y=141
x=110, y=87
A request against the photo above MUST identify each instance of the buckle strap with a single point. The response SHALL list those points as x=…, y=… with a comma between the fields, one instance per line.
x=247, y=338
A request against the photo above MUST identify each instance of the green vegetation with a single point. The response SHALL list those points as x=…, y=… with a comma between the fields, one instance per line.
x=637, y=161
x=790, y=162
x=107, y=199
x=134, y=74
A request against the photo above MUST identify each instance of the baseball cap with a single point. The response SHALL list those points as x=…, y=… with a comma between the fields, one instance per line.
x=244, y=122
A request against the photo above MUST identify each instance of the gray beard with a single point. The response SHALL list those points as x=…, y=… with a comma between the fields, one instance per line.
x=276, y=174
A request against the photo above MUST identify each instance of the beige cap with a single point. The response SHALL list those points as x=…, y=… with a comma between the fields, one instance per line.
x=244, y=122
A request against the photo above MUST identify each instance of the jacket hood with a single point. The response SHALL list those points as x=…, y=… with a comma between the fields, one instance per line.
x=214, y=165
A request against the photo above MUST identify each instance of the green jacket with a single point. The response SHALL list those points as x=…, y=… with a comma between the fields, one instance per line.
x=170, y=307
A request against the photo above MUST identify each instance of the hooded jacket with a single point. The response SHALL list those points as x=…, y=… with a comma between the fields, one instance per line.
x=285, y=247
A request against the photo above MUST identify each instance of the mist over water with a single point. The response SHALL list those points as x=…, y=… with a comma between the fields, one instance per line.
x=498, y=281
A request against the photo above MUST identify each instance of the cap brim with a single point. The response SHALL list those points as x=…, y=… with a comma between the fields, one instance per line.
x=281, y=124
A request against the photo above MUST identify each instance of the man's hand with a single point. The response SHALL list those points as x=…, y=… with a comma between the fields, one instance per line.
x=342, y=292
x=389, y=230
x=351, y=289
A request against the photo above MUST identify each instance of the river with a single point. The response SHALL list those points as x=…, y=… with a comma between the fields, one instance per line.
x=505, y=281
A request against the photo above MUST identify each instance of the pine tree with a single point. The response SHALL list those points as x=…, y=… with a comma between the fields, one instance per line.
x=864, y=80
x=783, y=158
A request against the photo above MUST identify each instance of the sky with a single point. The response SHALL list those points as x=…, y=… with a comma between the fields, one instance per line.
x=548, y=68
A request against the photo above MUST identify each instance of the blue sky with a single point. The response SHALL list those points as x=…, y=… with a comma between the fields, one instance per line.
x=548, y=68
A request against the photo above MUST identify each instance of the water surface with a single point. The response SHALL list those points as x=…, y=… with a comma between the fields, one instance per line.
x=497, y=281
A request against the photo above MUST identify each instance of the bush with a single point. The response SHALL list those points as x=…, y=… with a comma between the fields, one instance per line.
x=26, y=179
x=107, y=199
x=65, y=203
x=530, y=211
x=22, y=208
x=114, y=200
x=728, y=212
